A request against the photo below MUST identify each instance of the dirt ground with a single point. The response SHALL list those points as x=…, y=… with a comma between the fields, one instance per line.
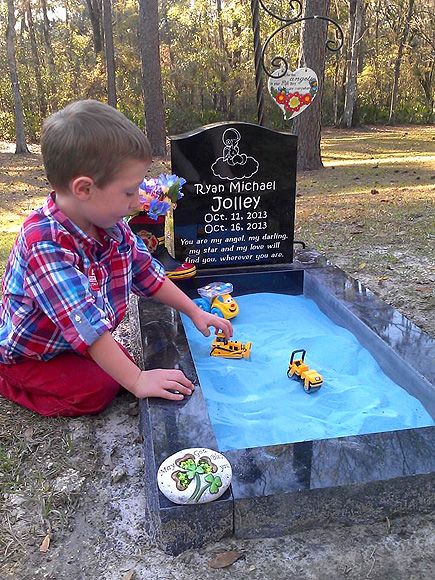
x=71, y=494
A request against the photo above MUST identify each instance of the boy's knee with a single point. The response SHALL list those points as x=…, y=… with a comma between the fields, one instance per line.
x=95, y=401
x=81, y=402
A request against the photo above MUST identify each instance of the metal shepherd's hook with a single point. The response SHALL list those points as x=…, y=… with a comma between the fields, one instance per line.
x=279, y=63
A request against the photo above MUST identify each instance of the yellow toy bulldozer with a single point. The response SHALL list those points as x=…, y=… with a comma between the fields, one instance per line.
x=299, y=370
x=226, y=348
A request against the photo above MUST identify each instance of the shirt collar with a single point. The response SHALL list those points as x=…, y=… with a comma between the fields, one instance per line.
x=50, y=209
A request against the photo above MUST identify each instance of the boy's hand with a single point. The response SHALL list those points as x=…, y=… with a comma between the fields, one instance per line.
x=170, y=294
x=162, y=383
x=202, y=320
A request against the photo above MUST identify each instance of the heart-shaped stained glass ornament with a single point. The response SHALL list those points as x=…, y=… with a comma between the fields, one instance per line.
x=294, y=91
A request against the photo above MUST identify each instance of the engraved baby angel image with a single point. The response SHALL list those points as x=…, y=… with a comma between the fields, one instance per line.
x=233, y=164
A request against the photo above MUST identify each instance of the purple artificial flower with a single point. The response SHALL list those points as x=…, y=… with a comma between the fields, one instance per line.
x=158, y=208
x=159, y=194
x=151, y=187
x=171, y=186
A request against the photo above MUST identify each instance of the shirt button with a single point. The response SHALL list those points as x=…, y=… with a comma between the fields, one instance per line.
x=77, y=318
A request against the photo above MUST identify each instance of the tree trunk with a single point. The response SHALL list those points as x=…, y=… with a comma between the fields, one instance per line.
x=167, y=35
x=152, y=75
x=308, y=125
x=49, y=55
x=337, y=87
x=355, y=31
x=21, y=146
x=223, y=65
x=36, y=62
x=94, y=7
x=398, y=62
x=110, y=53
x=426, y=82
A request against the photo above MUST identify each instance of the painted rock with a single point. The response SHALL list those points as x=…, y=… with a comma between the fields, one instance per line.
x=195, y=475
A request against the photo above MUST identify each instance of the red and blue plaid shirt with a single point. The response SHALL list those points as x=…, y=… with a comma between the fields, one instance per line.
x=63, y=289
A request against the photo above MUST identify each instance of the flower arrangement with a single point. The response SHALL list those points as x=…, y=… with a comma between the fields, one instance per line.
x=159, y=194
x=293, y=100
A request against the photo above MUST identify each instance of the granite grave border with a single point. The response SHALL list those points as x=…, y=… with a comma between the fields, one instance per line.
x=283, y=488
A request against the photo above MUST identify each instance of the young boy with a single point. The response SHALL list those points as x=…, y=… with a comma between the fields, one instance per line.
x=71, y=270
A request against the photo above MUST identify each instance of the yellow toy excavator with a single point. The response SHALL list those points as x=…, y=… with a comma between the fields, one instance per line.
x=298, y=369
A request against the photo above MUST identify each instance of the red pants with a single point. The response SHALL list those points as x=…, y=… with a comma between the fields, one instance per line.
x=68, y=385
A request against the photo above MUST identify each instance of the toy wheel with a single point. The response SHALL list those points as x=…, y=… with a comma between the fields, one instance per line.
x=217, y=312
x=310, y=389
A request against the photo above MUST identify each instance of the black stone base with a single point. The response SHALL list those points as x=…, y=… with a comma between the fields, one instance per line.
x=283, y=488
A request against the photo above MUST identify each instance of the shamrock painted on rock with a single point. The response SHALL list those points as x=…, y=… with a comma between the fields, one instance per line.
x=194, y=476
x=214, y=481
x=191, y=470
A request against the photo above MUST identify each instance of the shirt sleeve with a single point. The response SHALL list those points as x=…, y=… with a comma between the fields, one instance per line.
x=148, y=273
x=61, y=290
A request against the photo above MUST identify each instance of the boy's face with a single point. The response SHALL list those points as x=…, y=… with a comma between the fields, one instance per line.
x=109, y=204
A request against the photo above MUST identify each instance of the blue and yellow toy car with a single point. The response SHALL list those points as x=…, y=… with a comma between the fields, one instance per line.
x=216, y=298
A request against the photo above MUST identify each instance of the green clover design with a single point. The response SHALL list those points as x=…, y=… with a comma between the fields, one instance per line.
x=192, y=470
x=214, y=481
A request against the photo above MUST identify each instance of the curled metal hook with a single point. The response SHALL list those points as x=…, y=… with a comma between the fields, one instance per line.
x=279, y=63
x=294, y=5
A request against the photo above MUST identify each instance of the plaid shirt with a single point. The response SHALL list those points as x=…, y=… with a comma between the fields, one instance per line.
x=62, y=289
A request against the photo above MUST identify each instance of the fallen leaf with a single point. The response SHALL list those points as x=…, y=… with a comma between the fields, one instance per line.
x=361, y=265
x=28, y=433
x=133, y=409
x=45, y=544
x=225, y=559
x=117, y=474
x=128, y=575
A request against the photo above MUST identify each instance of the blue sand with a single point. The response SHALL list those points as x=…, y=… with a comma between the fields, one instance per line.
x=253, y=403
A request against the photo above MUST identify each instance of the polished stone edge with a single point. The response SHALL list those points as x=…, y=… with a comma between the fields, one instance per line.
x=135, y=331
x=331, y=463
x=183, y=527
x=152, y=508
x=408, y=365
x=166, y=427
x=280, y=514
x=176, y=528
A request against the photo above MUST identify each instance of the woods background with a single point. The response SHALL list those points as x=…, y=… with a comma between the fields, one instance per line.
x=195, y=57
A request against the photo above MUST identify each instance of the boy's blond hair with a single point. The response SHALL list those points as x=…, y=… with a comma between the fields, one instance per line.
x=92, y=139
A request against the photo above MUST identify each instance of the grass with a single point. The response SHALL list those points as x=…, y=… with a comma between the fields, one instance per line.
x=371, y=211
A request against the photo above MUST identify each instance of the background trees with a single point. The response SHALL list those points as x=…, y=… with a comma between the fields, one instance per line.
x=312, y=55
x=63, y=52
x=21, y=146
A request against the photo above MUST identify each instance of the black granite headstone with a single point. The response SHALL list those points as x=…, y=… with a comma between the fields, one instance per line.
x=239, y=203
